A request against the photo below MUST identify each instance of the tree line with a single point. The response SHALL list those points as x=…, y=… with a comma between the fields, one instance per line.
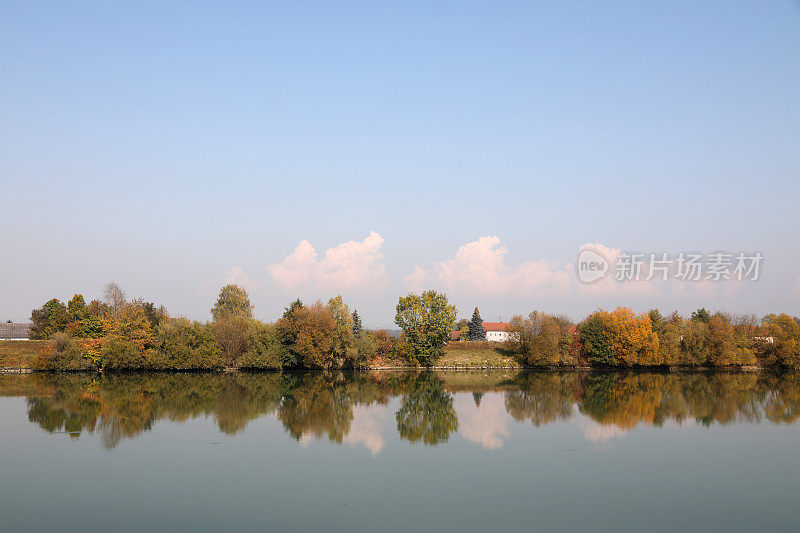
x=622, y=338
x=115, y=333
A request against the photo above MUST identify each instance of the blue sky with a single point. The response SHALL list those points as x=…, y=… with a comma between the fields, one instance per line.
x=172, y=146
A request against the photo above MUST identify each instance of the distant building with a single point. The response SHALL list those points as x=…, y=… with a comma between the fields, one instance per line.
x=496, y=331
x=13, y=331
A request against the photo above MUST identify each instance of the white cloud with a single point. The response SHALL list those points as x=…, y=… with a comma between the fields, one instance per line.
x=352, y=265
x=418, y=279
x=238, y=276
x=367, y=426
x=479, y=268
x=597, y=433
x=484, y=424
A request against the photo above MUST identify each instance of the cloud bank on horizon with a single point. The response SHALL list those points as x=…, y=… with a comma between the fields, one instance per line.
x=477, y=270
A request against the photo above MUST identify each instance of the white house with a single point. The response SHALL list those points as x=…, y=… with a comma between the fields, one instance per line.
x=496, y=331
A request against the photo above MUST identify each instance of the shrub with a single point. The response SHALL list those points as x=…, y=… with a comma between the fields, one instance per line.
x=263, y=348
x=366, y=348
x=181, y=344
x=121, y=354
x=66, y=356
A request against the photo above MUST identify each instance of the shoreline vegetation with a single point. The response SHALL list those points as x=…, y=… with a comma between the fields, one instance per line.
x=117, y=334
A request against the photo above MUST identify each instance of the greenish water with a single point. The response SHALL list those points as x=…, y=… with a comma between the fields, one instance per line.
x=455, y=452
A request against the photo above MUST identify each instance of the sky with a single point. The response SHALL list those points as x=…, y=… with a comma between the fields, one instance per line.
x=371, y=149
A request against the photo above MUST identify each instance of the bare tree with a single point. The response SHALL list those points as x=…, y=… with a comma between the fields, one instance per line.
x=114, y=297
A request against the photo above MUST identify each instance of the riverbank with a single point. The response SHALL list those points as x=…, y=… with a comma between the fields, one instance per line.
x=17, y=357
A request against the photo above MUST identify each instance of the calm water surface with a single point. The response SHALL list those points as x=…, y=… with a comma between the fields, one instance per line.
x=400, y=452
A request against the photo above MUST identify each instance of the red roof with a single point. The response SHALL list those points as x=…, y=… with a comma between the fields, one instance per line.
x=495, y=326
x=455, y=335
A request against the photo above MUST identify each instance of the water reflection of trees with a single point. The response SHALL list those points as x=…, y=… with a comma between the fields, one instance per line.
x=322, y=405
x=542, y=398
x=426, y=412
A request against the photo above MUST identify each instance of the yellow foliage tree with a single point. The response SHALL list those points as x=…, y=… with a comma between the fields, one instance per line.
x=632, y=339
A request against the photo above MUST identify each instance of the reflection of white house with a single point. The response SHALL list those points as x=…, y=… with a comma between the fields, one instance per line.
x=496, y=331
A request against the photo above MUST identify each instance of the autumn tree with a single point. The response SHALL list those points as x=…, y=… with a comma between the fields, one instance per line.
x=462, y=326
x=541, y=340
x=721, y=341
x=130, y=324
x=476, y=330
x=632, y=339
x=315, y=333
x=426, y=321
x=785, y=333
x=670, y=333
x=232, y=301
x=620, y=338
x=231, y=333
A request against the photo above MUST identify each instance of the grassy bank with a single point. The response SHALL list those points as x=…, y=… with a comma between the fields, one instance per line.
x=463, y=354
x=20, y=354
x=476, y=354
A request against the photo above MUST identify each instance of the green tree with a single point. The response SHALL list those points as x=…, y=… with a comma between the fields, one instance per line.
x=154, y=314
x=426, y=321
x=49, y=319
x=344, y=340
x=357, y=327
x=657, y=320
x=288, y=328
x=701, y=315
x=694, y=345
x=264, y=348
x=232, y=301
x=669, y=340
x=76, y=308
x=180, y=344
x=595, y=338
x=476, y=329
